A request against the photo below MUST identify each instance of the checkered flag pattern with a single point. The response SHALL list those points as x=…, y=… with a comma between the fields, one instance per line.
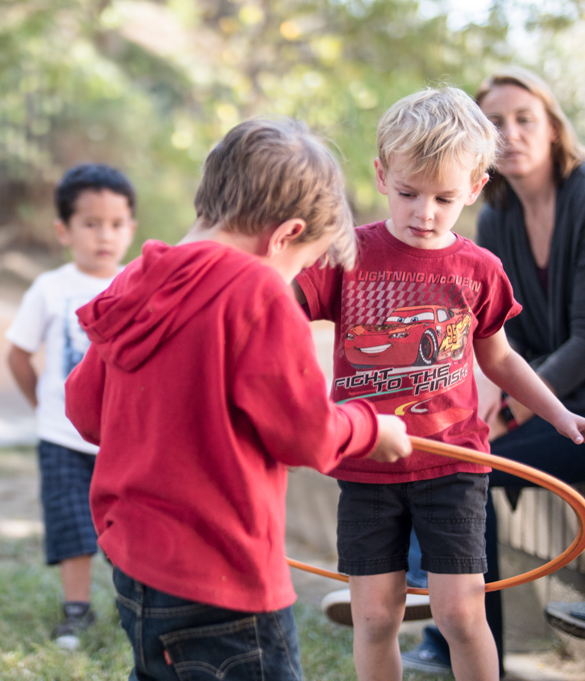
x=372, y=302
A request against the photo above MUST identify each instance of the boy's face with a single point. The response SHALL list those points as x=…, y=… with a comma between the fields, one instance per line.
x=99, y=232
x=424, y=210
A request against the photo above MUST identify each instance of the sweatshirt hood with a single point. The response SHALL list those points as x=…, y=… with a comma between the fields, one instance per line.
x=155, y=296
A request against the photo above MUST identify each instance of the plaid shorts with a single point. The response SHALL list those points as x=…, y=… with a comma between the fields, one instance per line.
x=65, y=478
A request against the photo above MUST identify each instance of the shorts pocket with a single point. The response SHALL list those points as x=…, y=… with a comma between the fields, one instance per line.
x=360, y=504
x=228, y=651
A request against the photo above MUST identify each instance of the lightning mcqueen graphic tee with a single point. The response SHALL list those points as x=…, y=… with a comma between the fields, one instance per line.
x=405, y=320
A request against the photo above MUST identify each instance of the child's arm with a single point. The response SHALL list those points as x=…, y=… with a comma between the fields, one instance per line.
x=84, y=390
x=511, y=373
x=24, y=373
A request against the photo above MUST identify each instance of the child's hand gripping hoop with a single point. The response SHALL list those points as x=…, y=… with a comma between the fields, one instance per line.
x=568, y=494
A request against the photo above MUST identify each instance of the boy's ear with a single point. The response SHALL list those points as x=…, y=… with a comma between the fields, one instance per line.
x=284, y=236
x=380, y=176
x=476, y=189
x=63, y=233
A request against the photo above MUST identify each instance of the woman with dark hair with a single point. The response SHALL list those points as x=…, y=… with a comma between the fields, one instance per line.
x=534, y=221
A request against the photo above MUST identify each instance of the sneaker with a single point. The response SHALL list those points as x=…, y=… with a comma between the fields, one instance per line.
x=567, y=617
x=78, y=616
x=423, y=659
x=337, y=607
x=417, y=608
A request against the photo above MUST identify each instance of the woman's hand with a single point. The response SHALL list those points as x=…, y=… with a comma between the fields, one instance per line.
x=489, y=397
x=521, y=413
x=498, y=428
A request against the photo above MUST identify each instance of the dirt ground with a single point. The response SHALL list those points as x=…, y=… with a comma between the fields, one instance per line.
x=534, y=654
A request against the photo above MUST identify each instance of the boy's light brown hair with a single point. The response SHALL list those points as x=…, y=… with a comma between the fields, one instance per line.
x=433, y=129
x=265, y=172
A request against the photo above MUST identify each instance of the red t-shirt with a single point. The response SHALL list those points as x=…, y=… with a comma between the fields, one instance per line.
x=201, y=386
x=405, y=320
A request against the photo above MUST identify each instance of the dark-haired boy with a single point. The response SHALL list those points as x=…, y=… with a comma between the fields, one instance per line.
x=201, y=386
x=95, y=206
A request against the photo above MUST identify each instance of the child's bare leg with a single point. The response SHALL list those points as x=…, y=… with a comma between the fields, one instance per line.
x=377, y=607
x=458, y=605
x=76, y=578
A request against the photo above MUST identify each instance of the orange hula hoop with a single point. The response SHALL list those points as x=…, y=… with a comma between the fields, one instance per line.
x=561, y=489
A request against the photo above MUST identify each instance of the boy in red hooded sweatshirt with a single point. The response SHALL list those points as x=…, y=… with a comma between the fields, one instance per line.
x=201, y=386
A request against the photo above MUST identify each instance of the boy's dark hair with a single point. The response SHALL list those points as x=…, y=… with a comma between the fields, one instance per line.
x=265, y=172
x=90, y=177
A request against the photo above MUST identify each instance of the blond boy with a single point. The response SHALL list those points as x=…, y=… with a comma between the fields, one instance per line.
x=419, y=302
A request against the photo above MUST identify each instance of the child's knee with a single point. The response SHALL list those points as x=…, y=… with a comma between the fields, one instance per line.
x=378, y=620
x=460, y=620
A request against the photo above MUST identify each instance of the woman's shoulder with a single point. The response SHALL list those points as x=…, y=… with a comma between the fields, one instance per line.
x=490, y=225
x=575, y=182
x=571, y=199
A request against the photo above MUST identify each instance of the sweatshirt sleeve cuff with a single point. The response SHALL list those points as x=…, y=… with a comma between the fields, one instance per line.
x=362, y=417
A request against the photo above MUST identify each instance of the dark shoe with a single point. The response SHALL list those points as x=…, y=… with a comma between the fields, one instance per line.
x=567, y=617
x=337, y=607
x=424, y=659
x=77, y=618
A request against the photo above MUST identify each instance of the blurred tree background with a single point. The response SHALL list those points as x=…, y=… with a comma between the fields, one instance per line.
x=150, y=85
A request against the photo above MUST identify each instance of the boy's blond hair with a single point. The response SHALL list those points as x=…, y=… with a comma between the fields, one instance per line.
x=432, y=129
x=265, y=172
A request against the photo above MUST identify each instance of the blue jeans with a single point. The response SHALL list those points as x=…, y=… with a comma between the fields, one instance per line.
x=174, y=639
x=416, y=576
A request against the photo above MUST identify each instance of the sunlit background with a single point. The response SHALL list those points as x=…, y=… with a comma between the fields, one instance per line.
x=150, y=86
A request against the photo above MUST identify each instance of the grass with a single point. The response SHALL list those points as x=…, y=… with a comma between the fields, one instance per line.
x=30, y=603
x=29, y=607
x=326, y=649
x=30, y=596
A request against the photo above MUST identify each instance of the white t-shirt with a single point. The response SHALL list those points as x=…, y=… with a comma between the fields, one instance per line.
x=47, y=315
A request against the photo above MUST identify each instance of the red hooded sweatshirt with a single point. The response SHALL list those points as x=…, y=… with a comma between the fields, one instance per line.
x=201, y=386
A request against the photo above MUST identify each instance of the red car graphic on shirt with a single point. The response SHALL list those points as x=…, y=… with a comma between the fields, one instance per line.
x=411, y=336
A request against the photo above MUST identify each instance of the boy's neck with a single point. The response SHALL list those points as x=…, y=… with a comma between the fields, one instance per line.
x=106, y=273
x=253, y=244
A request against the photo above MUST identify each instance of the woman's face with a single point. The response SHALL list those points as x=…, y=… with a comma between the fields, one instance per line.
x=525, y=129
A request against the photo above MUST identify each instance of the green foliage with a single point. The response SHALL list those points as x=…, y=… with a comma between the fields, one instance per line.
x=151, y=85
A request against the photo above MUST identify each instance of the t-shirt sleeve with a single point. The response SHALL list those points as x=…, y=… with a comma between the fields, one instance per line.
x=27, y=331
x=322, y=289
x=496, y=302
x=280, y=388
